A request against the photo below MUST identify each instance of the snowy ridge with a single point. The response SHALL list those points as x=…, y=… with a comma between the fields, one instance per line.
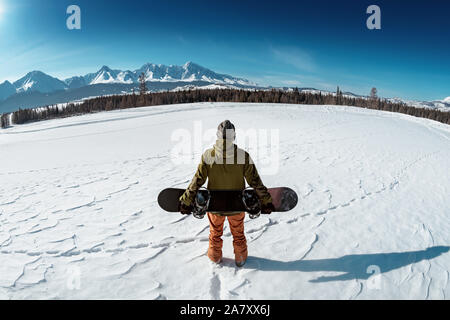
x=79, y=217
x=189, y=72
x=37, y=88
x=443, y=105
x=210, y=87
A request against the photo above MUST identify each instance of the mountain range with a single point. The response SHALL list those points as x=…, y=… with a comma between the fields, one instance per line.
x=37, y=88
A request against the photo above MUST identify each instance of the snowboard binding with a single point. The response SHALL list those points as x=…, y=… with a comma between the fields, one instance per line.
x=201, y=204
x=251, y=203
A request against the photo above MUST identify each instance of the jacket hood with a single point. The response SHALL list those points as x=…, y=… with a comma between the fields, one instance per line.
x=223, y=151
x=224, y=148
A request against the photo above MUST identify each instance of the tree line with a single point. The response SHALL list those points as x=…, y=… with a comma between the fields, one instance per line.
x=116, y=102
x=4, y=121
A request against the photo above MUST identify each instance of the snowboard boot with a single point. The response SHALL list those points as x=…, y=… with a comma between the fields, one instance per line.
x=240, y=261
x=214, y=255
x=240, y=257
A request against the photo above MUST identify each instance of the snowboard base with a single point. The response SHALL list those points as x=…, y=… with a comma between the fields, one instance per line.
x=283, y=199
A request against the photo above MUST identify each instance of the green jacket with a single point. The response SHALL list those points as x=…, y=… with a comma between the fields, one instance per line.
x=225, y=166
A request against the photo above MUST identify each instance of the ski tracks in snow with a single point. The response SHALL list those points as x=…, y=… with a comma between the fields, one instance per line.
x=101, y=216
x=91, y=205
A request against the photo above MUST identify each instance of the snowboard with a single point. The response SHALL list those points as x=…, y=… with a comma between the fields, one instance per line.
x=283, y=199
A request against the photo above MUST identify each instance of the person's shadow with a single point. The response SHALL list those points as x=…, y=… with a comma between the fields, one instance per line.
x=355, y=266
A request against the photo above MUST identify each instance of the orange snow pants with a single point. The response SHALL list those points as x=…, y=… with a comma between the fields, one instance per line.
x=236, y=223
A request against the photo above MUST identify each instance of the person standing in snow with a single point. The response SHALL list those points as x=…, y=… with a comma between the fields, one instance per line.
x=226, y=167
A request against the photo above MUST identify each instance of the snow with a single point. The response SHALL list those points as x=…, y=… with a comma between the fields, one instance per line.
x=103, y=77
x=79, y=217
x=205, y=87
x=27, y=85
x=447, y=100
x=443, y=105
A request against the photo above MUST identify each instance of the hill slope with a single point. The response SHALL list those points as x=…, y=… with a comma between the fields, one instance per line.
x=79, y=217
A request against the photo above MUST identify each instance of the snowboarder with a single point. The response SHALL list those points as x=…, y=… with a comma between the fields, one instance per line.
x=226, y=166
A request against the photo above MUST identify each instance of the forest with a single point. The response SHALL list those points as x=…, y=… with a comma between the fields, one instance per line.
x=295, y=96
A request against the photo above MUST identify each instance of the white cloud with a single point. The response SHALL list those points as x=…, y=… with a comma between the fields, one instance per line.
x=281, y=79
x=295, y=57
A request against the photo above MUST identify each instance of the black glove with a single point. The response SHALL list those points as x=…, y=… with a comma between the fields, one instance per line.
x=267, y=208
x=184, y=209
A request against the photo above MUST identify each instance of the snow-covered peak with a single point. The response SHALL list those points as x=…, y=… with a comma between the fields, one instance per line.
x=104, y=75
x=38, y=81
x=107, y=75
x=105, y=68
x=446, y=100
x=190, y=71
x=193, y=66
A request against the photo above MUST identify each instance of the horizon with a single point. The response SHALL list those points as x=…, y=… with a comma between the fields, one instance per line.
x=268, y=45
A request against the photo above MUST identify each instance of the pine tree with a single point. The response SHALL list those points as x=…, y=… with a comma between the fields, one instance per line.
x=338, y=95
x=373, y=97
x=373, y=93
x=142, y=85
x=4, y=119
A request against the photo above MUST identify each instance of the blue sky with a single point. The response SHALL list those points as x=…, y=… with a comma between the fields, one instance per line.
x=314, y=43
